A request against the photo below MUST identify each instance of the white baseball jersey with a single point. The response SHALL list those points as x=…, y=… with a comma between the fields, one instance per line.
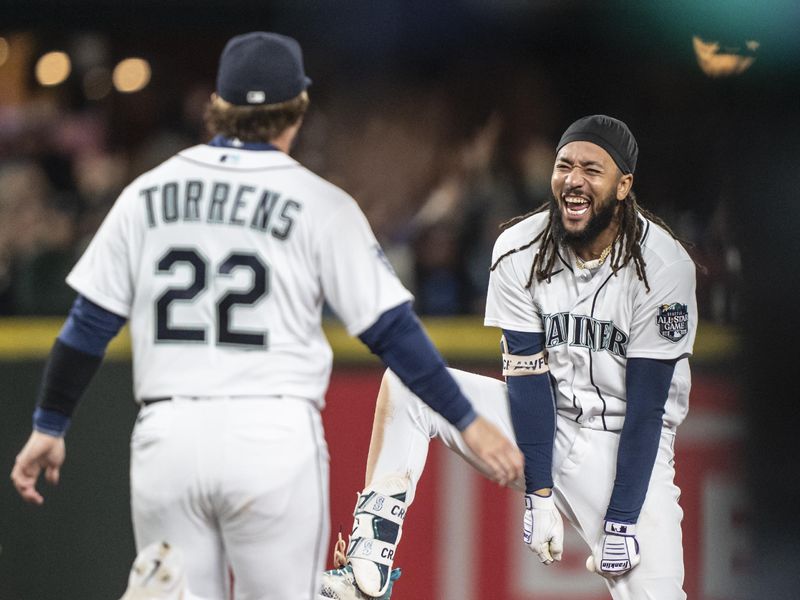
x=594, y=321
x=222, y=259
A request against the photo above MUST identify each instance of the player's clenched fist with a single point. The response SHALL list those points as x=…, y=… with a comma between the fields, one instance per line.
x=617, y=552
x=42, y=451
x=542, y=528
x=500, y=454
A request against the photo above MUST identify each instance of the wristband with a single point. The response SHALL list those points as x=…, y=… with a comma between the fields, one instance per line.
x=51, y=422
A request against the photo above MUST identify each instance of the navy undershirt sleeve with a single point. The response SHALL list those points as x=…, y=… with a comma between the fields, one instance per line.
x=89, y=327
x=398, y=339
x=74, y=359
x=647, y=381
x=533, y=412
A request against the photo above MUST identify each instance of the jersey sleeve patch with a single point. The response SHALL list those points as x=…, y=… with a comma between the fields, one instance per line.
x=673, y=321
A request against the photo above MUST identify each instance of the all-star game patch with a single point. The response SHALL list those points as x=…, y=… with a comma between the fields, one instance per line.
x=673, y=321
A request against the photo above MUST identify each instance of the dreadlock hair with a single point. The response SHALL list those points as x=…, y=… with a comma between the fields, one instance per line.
x=625, y=247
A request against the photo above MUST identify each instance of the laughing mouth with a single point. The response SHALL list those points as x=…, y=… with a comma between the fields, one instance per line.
x=576, y=205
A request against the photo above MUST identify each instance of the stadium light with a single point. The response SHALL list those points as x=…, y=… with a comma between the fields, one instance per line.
x=53, y=68
x=131, y=75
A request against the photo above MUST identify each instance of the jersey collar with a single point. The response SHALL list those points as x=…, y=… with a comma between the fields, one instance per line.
x=225, y=142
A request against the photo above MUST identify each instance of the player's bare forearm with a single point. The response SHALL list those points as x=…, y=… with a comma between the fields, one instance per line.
x=41, y=452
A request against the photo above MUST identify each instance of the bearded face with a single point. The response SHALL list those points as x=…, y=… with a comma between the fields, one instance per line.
x=601, y=214
x=587, y=188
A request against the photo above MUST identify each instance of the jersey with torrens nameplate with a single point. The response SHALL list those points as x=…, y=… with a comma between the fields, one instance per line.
x=222, y=259
x=594, y=321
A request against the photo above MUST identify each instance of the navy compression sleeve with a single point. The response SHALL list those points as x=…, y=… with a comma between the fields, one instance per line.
x=89, y=327
x=647, y=381
x=75, y=357
x=398, y=339
x=533, y=412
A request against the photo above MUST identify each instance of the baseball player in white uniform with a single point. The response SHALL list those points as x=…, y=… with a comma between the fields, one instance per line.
x=596, y=300
x=221, y=258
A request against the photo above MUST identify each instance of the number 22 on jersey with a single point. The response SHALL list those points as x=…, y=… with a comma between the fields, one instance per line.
x=166, y=331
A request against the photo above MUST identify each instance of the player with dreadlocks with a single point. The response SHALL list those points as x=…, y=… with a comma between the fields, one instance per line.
x=625, y=247
x=596, y=300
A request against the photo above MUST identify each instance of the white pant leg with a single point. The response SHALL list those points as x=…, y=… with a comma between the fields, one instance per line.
x=166, y=504
x=274, y=510
x=585, y=467
x=237, y=481
x=411, y=424
x=584, y=470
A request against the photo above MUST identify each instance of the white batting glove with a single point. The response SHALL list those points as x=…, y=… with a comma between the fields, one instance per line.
x=617, y=552
x=542, y=528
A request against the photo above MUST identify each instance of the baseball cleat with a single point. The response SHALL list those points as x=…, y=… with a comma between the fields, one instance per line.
x=158, y=574
x=377, y=527
x=340, y=584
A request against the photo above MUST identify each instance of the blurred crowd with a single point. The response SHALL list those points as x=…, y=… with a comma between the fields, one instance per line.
x=435, y=166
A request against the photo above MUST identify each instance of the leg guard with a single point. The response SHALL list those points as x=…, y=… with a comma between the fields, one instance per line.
x=377, y=527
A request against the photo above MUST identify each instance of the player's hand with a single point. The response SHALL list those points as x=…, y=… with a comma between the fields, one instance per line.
x=42, y=451
x=500, y=454
x=542, y=528
x=617, y=552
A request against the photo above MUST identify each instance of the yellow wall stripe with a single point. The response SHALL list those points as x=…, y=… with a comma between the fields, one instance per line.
x=458, y=338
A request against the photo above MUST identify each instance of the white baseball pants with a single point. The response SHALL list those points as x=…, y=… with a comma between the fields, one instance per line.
x=239, y=485
x=584, y=466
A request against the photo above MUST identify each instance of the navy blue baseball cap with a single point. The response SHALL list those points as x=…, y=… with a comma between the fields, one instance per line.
x=610, y=134
x=261, y=68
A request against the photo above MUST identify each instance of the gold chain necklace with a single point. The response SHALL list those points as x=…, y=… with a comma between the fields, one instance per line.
x=594, y=263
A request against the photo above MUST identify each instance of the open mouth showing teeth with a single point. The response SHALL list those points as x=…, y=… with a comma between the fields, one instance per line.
x=576, y=205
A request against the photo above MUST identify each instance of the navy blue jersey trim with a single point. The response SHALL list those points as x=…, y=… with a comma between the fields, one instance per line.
x=575, y=406
x=645, y=232
x=591, y=362
x=235, y=169
x=220, y=141
x=566, y=264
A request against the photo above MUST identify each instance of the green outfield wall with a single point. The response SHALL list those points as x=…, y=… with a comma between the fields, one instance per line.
x=79, y=544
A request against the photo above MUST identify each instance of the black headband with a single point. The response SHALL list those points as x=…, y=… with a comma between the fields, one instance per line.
x=611, y=134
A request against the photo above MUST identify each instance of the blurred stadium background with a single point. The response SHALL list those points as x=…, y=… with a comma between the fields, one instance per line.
x=440, y=118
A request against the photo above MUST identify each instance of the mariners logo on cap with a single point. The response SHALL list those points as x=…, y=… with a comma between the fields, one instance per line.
x=673, y=321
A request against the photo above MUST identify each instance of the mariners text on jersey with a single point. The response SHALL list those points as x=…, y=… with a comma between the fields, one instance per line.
x=587, y=332
x=218, y=202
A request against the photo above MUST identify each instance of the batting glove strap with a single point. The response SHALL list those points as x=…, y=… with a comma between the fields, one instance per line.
x=621, y=529
x=540, y=502
x=618, y=550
